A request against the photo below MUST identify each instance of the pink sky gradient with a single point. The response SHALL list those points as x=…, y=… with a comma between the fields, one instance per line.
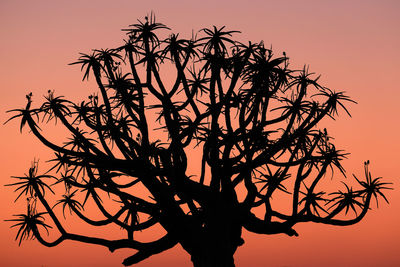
x=354, y=45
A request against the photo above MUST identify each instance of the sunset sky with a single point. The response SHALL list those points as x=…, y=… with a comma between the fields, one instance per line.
x=353, y=44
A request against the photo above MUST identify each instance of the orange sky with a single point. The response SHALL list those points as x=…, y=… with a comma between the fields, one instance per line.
x=353, y=44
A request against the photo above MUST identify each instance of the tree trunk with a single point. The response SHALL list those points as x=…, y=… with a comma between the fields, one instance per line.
x=220, y=235
x=210, y=256
x=215, y=247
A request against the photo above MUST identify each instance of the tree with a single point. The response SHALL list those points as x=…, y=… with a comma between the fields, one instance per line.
x=252, y=120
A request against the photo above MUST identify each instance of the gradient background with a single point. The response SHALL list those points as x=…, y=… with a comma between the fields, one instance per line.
x=353, y=44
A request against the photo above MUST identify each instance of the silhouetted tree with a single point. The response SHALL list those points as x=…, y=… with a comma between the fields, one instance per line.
x=248, y=121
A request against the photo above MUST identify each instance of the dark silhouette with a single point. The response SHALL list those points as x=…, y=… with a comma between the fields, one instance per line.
x=247, y=120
